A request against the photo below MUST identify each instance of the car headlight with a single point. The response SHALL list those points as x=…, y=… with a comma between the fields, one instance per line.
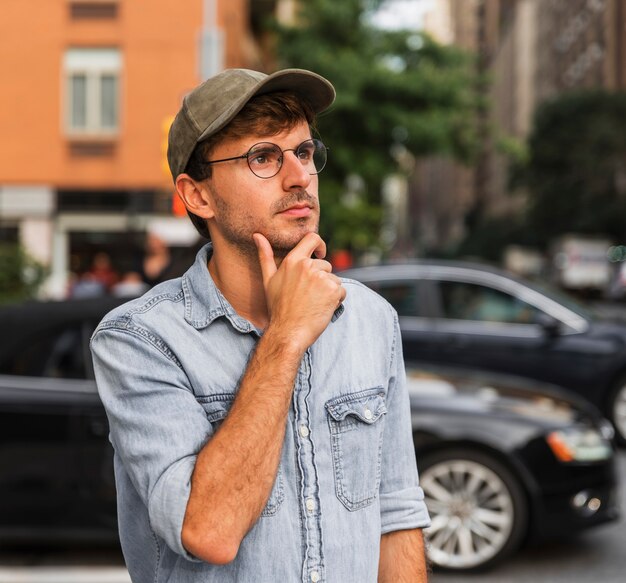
x=579, y=444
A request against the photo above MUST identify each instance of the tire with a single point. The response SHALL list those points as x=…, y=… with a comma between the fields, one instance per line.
x=616, y=411
x=478, y=509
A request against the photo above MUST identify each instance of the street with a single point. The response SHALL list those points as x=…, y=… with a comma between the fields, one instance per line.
x=597, y=555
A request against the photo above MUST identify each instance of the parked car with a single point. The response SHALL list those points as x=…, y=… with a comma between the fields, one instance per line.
x=499, y=463
x=56, y=464
x=466, y=314
x=504, y=461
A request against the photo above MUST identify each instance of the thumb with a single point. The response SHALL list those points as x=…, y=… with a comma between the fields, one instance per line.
x=266, y=257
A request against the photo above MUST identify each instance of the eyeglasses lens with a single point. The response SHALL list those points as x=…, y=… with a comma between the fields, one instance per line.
x=265, y=159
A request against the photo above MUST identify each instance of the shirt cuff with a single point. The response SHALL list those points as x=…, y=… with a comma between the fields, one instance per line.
x=403, y=510
x=168, y=504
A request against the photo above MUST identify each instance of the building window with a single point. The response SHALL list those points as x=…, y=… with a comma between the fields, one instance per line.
x=93, y=91
x=93, y=9
x=9, y=234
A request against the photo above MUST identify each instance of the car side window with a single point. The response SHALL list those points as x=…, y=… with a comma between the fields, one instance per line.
x=401, y=295
x=469, y=301
x=60, y=353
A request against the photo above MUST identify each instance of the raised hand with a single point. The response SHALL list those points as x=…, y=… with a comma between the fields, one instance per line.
x=303, y=293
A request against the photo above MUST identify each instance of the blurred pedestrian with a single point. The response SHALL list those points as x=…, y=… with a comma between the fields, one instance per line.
x=131, y=285
x=102, y=270
x=86, y=285
x=157, y=260
x=257, y=406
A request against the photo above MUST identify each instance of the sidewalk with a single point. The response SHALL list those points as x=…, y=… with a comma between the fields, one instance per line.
x=64, y=575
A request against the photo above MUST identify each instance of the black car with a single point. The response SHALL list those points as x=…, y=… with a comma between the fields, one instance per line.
x=504, y=463
x=471, y=315
x=56, y=478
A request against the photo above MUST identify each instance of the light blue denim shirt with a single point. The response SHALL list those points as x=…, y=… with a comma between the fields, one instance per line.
x=168, y=366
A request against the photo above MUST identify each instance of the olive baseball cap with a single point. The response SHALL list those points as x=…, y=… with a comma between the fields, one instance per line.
x=213, y=104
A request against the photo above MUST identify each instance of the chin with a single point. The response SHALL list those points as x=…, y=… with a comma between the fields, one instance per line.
x=282, y=243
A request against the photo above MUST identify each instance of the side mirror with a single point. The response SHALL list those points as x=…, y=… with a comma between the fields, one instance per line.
x=550, y=325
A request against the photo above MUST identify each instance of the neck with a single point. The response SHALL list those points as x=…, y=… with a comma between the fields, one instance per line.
x=238, y=277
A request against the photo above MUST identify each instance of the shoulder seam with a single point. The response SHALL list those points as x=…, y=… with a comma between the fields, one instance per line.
x=125, y=325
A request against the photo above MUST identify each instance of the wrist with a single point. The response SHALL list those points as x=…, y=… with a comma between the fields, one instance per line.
x=286, y=342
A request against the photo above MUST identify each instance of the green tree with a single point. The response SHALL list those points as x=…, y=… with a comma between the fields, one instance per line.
x=20, y=274
x=576, y=172
x=396, y=91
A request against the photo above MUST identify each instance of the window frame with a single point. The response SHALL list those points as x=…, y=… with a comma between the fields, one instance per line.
x=484, y=290
x=94, y=64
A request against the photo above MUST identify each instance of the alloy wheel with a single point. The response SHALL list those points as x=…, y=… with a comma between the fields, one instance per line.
x=472, y=511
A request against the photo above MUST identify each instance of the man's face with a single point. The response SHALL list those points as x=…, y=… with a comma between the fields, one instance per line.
x=283, y=208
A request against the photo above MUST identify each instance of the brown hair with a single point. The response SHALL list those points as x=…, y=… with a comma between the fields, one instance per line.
x=265, y=115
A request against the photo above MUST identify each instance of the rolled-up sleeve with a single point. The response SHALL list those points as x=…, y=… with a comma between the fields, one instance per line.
x=156, y=425
x=401, y=498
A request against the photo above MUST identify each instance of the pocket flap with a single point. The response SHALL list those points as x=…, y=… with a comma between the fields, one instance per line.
x=367, y=406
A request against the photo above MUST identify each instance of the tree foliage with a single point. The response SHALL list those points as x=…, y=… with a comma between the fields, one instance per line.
x=396, y=91
x=20, y=274
x=576, y=173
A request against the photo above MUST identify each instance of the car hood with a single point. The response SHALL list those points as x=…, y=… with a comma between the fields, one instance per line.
x=496, y=396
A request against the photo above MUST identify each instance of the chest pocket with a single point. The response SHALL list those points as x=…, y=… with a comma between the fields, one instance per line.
x=356, y=424
x=216, y=408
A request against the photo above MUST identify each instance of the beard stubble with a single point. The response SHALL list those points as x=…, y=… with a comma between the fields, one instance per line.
x=238, y=225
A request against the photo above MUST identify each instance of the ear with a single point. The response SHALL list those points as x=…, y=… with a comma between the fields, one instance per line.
x=194, y=196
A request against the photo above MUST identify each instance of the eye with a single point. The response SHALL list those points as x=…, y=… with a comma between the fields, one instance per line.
x=305, y=151
x=263, y=156
x=258, y=159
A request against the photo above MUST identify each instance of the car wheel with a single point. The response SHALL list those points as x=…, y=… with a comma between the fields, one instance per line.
x=477, y=507
x=617, y=411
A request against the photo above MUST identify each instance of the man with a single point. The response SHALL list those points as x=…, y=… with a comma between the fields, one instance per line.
x=257, y=405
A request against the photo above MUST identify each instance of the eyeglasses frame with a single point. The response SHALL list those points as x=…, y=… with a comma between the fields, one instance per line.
x=294, y=150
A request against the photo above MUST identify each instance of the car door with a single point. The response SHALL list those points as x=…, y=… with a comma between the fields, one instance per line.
x=52, y=434
x=407, y=296
x=483, y=324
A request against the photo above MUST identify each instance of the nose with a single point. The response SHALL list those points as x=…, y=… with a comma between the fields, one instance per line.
x=294, y=174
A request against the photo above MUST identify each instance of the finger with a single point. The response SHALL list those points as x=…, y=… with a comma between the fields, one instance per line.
x=336, y=279
x=266, y=257
x=309, y=244
x=342, y=295
x=322, y=265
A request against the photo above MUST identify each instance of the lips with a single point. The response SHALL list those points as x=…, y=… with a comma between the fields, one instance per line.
x=297, y=210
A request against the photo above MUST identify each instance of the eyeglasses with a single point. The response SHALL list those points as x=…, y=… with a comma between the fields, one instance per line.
x=266, y=159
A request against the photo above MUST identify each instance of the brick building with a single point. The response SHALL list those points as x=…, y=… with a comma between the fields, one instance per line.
x=88, y=89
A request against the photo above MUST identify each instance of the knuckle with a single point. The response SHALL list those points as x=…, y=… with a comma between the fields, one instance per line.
x=322, y=265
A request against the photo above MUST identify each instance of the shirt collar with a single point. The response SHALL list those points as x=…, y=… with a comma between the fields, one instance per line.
x=204, y=302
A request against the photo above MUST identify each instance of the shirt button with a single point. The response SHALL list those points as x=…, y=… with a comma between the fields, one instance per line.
x=304, y=431
x=310, y=504
x=315, y=576
x=368, y=414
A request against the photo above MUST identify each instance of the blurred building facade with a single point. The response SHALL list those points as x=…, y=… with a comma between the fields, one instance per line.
x=89, y=90
x=529, y=51
x=582, y=46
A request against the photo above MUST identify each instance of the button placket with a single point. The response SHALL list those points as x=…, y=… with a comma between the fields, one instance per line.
x=309, y=486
